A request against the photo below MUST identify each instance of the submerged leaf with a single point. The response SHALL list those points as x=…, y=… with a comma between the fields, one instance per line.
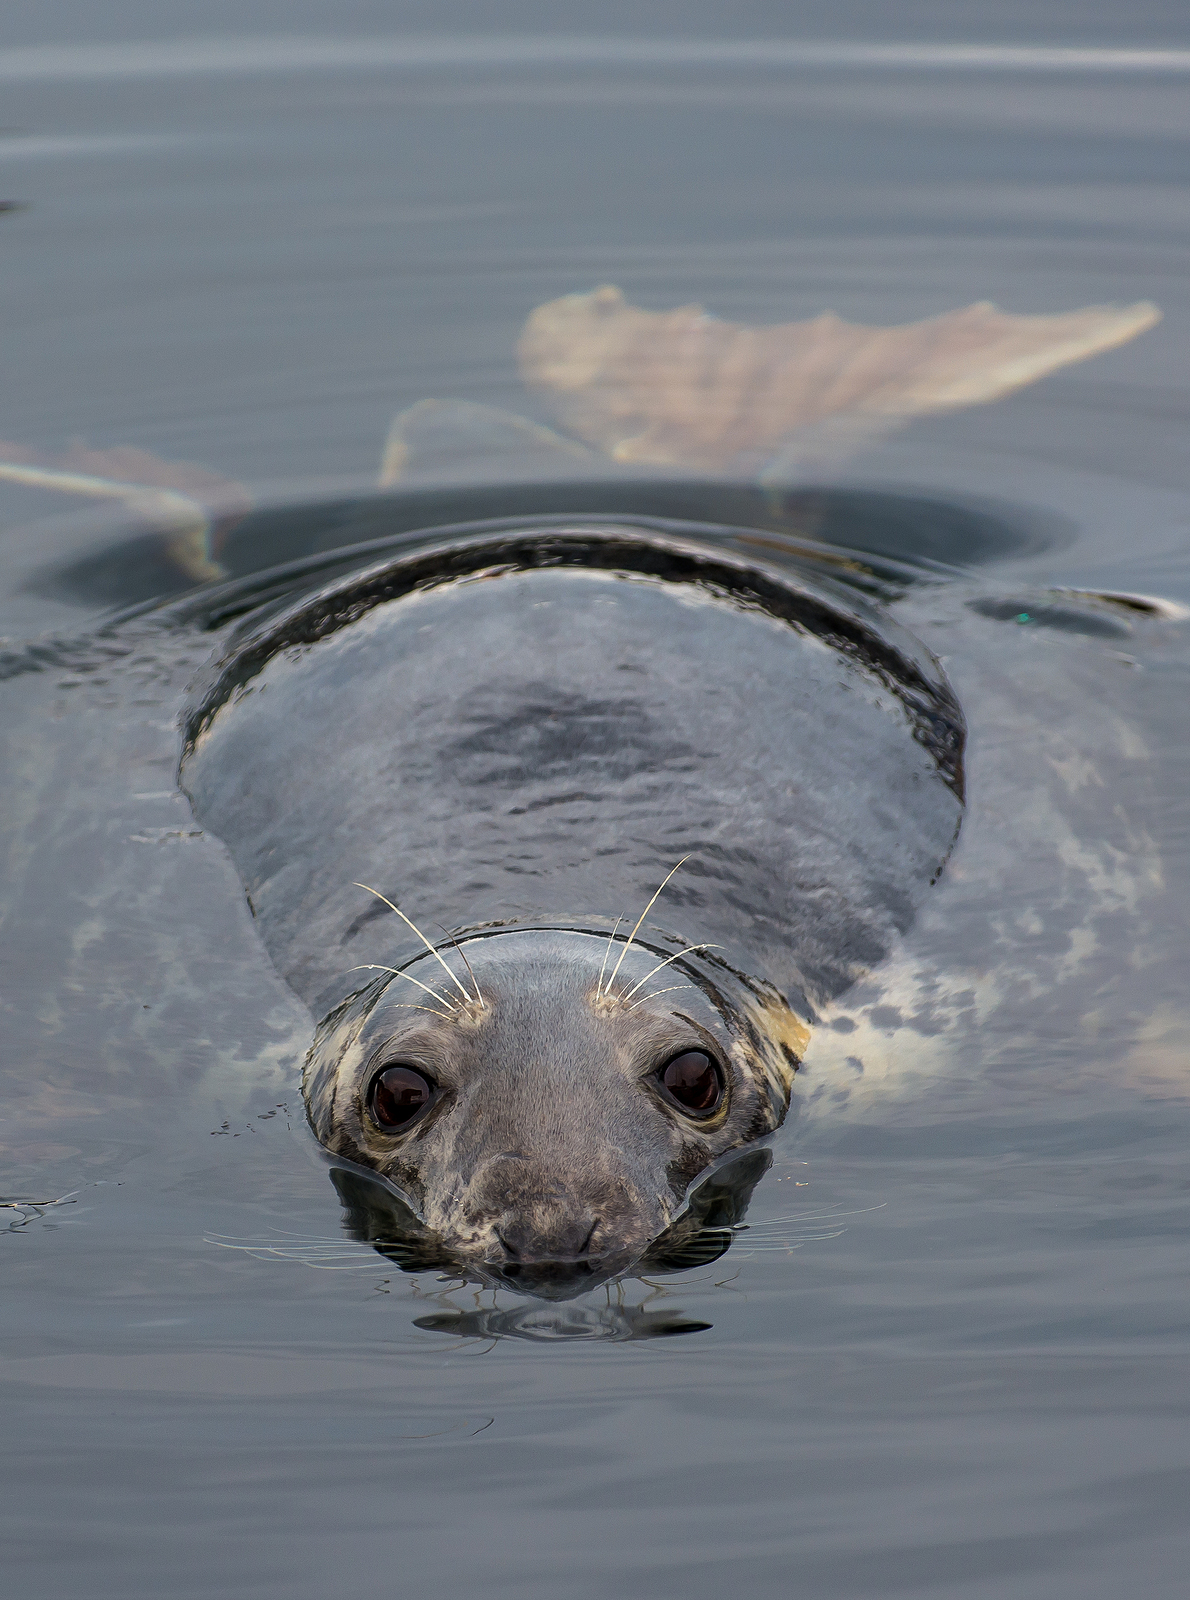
x=680, y=388
x=180, y=496
x=451, y=440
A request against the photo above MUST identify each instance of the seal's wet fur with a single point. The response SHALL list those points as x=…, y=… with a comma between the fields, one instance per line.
x=549, y=1157
x=517, y=735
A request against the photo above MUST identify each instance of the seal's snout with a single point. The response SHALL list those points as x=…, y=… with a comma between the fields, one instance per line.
x=552, y=1254
x=563, y=1235
x=545, y=1235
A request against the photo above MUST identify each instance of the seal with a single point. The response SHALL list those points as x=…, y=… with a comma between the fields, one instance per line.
x=564, y=833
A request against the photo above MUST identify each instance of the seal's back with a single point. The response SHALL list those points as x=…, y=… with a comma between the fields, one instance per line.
x=530, y=730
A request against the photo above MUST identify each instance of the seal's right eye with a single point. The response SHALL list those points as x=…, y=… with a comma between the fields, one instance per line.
x=398, y=1095
x=693, y=1080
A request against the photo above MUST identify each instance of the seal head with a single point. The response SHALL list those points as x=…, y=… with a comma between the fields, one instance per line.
x=543, y=1124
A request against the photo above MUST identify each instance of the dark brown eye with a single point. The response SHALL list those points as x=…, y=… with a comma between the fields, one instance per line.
x=397, y=1095
x=693, y=1080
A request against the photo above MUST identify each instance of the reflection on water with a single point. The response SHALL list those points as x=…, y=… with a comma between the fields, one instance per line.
x=1109, y=615
x=16, y=1214
x=553, y=1324
x=897, y=537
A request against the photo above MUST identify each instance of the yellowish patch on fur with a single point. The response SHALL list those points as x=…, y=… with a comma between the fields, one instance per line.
x=787, y=1035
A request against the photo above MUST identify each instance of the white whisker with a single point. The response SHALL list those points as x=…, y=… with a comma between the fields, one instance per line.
x=688, y=951
x=640, y=919
x=791, y=1243
x=420, y=935
x=656, y=992
x=326, y=1255
x=815, y=1216
x=479, y=997
x=607, y=952
x=277, y=1236
x=372, y=966
x=748, y=1252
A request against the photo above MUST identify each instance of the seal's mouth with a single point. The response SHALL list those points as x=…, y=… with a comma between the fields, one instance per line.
x=679, y=1249
x=556, y=1276
x=556, y=1280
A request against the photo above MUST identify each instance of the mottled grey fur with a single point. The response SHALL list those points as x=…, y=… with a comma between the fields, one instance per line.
x=524, y=754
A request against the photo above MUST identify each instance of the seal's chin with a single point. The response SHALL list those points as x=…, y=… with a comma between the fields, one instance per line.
x=559, y=1280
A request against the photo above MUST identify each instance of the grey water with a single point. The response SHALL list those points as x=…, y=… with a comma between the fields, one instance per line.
x=948, y=1355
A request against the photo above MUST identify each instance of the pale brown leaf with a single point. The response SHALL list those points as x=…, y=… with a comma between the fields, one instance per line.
x=680, y=388
x=180, y=496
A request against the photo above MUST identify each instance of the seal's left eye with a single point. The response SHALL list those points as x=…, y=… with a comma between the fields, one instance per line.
x=397, y=1095
x=693, y=1081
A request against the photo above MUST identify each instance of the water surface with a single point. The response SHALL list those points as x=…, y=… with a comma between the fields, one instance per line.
x=949, y=1355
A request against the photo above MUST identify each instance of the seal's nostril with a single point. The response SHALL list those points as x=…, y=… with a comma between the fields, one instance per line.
x=560, y=1237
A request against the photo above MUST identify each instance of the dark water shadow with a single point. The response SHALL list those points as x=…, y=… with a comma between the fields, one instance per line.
x=919, y=530
x=1034, y=611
